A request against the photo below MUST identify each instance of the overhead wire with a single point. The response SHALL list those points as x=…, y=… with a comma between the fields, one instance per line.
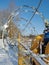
x=33, y=15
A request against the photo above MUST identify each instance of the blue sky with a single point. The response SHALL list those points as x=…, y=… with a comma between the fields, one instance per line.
x=36, y=21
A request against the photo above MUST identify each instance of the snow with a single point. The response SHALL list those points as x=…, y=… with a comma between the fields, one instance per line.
x=8, y=55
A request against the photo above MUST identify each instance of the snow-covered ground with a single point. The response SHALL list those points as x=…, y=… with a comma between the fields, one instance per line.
x=8, y=55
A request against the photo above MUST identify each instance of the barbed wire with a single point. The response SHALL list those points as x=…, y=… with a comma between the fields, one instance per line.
x=34, y=11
